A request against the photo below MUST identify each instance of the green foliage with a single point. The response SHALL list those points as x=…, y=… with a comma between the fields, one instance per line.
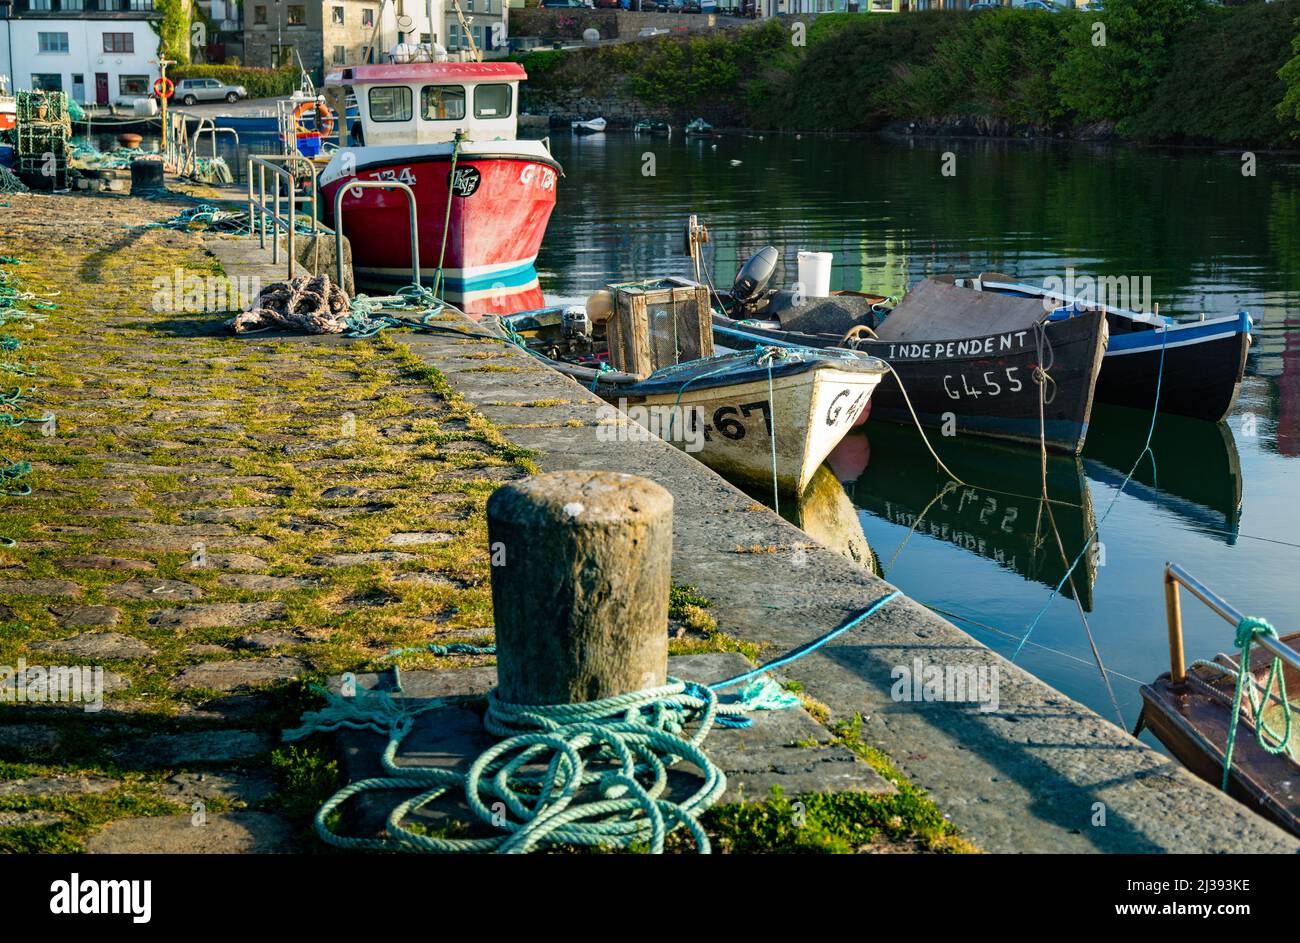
x=682, y=595
x=836, y=823
x=1223, y=84
x=1109, y=75
x=173, y=29
x=307, y=774
x=1288, y=110
x=260, y=83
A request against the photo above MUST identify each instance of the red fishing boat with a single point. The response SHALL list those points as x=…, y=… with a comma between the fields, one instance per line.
x=448, y=131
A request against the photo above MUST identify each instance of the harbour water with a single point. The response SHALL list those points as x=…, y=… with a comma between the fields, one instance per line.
x=1220, y=499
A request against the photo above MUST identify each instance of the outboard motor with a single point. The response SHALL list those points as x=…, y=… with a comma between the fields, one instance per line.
x=754, y=275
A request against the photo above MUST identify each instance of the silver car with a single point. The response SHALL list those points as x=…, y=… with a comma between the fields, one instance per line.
x=193, y=91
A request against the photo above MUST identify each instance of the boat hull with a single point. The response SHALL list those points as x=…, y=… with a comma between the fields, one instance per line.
x=1193, y=726
x=728, y=423
x=1203, y=367
x=981, y=386
x=499, y=213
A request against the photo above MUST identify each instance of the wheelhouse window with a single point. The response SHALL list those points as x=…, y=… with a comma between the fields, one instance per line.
x=492, y=101
x=442, y=102
x=119, y=42
x=390, y=103
x=133, y=85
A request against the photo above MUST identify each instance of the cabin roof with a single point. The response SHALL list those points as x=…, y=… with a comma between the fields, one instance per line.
x=426, y=72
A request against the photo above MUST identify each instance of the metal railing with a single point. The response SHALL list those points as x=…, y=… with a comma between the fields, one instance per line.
x=260, y=209
x=208, y=126
x=375, y=185
x=1176, y=576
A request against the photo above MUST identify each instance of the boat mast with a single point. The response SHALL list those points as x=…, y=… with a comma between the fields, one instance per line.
x=476, y=55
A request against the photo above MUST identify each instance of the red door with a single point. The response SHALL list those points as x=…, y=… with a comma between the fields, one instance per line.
x=101, y=88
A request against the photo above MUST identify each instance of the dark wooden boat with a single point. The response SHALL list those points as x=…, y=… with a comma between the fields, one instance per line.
x=1204, y=360
x=1190, y=712
x=964, y=382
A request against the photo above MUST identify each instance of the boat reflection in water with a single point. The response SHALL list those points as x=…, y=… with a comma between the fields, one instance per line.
x=999, y=515
x=826, y=514
x=1197, y=475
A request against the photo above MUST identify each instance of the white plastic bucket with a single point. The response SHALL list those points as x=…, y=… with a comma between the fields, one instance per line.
x=815, y=273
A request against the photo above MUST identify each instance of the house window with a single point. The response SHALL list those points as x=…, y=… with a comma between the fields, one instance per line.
x=492, y=101
x=53, y=42
x=259, y=16
x=442, y=102
x=368, y=18
x=47, y=82
x=133, y=85
x=281, y=56
x=72, y=5
x=336, y=16
x=141, y=5
x=390, y=103
x=119, y=42
x=297, y=15
x=41, y=5
x=340, y=55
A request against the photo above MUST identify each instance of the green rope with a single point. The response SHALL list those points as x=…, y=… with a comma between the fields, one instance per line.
x=1248, y=629
x=446, y=221
x=534, y=786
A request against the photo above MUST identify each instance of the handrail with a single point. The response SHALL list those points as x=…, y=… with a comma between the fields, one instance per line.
x=207, y=125
x=338, y=222
x=259, y=211
x=1176, y=576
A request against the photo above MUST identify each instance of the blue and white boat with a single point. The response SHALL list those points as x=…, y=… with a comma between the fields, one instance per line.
x=1203, y=359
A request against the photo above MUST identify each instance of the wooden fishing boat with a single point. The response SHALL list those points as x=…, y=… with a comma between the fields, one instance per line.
x=753, y=416
x=966, y=382
x=653, y=127
x=1204, y=360
x=1190, y=711
x=590, y=126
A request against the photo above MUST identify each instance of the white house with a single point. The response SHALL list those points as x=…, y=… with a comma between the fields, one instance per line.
x=98, y=51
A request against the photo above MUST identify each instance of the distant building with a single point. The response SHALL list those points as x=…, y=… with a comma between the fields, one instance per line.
x=97, y=51
x=322, y=33
x=224, y=39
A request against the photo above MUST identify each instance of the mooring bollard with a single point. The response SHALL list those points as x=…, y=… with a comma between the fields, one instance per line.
x=582, y=569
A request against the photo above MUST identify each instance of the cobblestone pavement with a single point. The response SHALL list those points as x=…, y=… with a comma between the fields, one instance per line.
x=216, y=522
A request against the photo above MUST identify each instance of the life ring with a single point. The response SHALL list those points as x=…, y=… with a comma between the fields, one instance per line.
x=164, y=87
x=325, y=118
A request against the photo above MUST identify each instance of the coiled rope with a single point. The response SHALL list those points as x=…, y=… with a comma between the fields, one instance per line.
x=590, y=774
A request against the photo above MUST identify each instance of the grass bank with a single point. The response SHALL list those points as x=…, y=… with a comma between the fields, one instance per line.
x=1173, y=71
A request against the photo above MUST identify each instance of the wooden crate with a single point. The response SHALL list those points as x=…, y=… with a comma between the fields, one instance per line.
x=658, y=323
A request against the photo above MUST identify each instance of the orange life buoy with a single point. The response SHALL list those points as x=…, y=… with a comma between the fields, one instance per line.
x=324, y=117
x=164, y=87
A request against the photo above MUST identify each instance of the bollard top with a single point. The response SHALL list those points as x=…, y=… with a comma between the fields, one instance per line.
x=580, y=498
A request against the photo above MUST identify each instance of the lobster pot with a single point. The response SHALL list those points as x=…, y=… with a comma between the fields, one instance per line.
x=658, y=323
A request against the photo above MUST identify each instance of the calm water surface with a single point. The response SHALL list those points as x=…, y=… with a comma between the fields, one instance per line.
x=1222, y=499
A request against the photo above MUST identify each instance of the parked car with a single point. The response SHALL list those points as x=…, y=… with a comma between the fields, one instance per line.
x=564, y=4
x=193, y=91
x=647, y=31
x=608, y=4
x=974, y=7
x=1041, y=5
